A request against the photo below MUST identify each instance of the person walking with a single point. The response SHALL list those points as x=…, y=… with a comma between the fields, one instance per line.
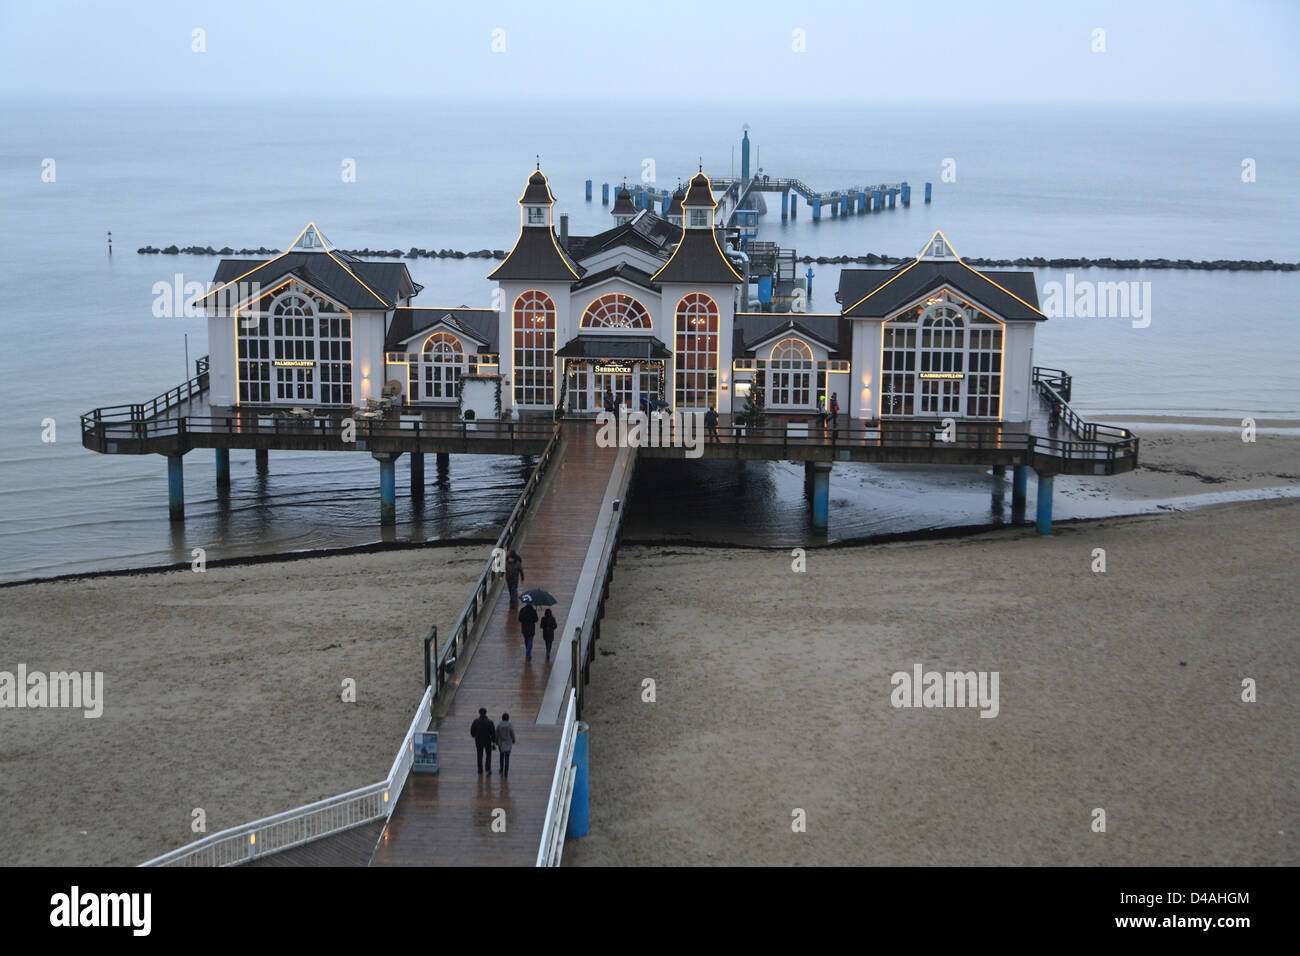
x=528, y=624
x=821, y=409
x=548, y=624
x=711, y=423
x=514, y=574
x=484, y=734
x=835, y=410
x=609, y=400
x=505, y=743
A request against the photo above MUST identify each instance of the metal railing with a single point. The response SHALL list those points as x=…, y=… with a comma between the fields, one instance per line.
x=306, y=823
x=469, y=617
x=551, y=847
x=158, y=405
x=1054, y=386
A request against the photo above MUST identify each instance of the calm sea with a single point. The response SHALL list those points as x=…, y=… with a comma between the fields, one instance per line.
x=79, y=328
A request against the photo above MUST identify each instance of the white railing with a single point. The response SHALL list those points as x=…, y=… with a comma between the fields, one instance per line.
x=557, y=809
x=311, y=822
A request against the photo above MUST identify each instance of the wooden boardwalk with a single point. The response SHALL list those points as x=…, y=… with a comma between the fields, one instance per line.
x=447, y=819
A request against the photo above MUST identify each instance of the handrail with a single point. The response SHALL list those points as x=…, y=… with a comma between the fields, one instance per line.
x=1054, y=385
x=310, y=822
x=487, y=577
x=551, y=847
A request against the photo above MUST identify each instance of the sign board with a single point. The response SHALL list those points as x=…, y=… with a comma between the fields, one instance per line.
x=952, y=375
x=613, y=368
x=294, y=363
x=424, y=758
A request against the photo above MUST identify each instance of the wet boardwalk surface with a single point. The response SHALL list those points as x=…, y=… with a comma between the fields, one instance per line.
x=447, y=819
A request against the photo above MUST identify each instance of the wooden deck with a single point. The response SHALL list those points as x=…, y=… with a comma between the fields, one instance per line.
x=447, y=819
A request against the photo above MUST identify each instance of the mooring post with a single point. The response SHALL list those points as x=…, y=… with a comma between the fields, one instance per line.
x=588, y=190
x=417, y=474
x=907, y=194
x=1019, y=488
x=223, y=468
x=578, y=825
x=927, y=192
x=176, y=487
x=604, y=194
x=263, y=461
x=821, y=494
x=1045, y=483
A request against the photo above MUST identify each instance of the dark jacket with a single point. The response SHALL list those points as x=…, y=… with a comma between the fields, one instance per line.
x=549, y=624
x=528, y=620
x=514, y=570
x=483, y=731
x=711, y=418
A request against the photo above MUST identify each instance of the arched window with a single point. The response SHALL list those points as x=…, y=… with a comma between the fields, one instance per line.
x=943, y=361
x=534, y=349
x=696, y=355
x=616, y=311
x=298, y=350
x=790, y=374
x=942, y=357
x=441, y=365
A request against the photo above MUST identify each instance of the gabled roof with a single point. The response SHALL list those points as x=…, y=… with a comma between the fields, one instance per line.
x=537, y=257
x=628, y=273
x=478, y=325
x=830, y=330
x=698, y=260
x=614, y=347
x=646, y=232
x=878, y=293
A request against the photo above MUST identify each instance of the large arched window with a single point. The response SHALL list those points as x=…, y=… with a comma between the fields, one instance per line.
x=616, y=311
x=790, y=374
x=441, y=363
x=298, y=350
x=534, y=348
x=942, y=357
x=696, y=355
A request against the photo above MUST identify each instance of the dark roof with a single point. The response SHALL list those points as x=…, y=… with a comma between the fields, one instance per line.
x=538, y=191
x=621, y=271
x=537, y=256
x=352, y=283
x=700, y=192
x=614, y=347
x=647, y=232
x=478, y=324
x=675, y=204
x=623, y=204
x=831, y=330
x=875, y=293
x=698, y=260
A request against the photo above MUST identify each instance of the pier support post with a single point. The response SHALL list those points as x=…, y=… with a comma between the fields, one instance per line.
x=223, y=468
x=578, y=825
x=604, y=194
x=588, y=190
x=817, y=210
x=176, y=487
x=821, y=494
x=444, y=463
x=999, y=471
x=387, y=487
x=1019, y=488
x=785, y=206
x=927, y=192
x=1045, y=483
x=263, y=461
x=417, y=474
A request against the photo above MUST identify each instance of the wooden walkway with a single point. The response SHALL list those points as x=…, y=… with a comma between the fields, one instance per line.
x=447, y=819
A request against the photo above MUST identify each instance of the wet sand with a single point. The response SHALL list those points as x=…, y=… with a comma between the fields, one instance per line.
x=1118, y=690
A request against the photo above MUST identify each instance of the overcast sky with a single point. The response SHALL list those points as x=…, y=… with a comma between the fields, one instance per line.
x=1235, y=52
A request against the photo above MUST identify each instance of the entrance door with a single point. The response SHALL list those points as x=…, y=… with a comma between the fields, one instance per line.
x=296, y=383
x=621, y=384
x=941, y=396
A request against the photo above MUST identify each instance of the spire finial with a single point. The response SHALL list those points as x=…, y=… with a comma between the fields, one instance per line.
x=701, y=164
x=539, y=162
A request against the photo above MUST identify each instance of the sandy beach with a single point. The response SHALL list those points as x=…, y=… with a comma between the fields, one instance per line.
x=222, y=691
x=1118, y=690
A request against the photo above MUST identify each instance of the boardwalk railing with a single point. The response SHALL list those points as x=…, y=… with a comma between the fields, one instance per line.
x=551, y=847
x=495, y=565
x=1054, y=386
x=158, y=405
x=311, y=822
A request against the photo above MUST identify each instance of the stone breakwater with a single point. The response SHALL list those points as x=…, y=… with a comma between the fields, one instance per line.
x=871, y=259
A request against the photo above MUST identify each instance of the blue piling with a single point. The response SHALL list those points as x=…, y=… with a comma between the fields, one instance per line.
x=862, y=202
x=907, y=195
x=821, y=478
x=176, y=487
x=263, y=461
x=417, y=474
x=794, y=205
x=835, y=207
x=785, y=206
x=223, y=467
x=388, y=491
x=663, y=209
x=876, y=200
x=927, y=192
x=588, y=190
x=604, y=194
x=893, y=195
x=817, y=210
x=578, y=822
x=1019, y=487
x=1045, y=483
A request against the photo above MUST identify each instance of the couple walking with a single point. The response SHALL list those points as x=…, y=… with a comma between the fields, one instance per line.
x=488, y=735
x=528, y=617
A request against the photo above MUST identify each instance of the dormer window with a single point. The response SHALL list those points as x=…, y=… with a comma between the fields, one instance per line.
x=699, y=217
x=536, y=216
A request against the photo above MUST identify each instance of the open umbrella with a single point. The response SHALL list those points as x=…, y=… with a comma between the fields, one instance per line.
x=539, y=597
